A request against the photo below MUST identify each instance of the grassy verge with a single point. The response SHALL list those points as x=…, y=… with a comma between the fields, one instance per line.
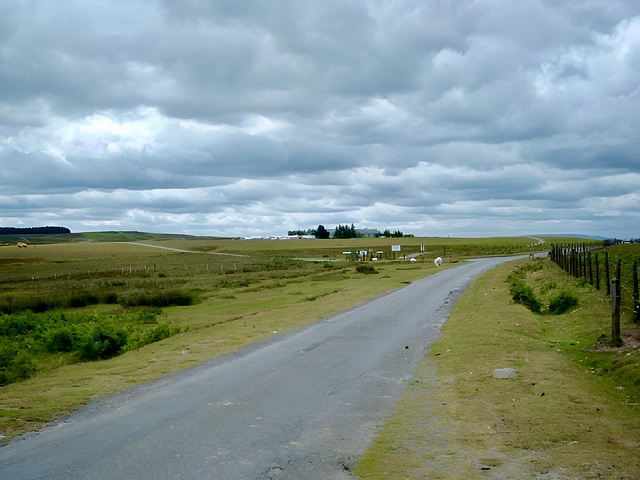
x=561, y=417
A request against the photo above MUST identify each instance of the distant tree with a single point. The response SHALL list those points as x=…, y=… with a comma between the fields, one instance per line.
x=322, y=232
x=344, y=231
x=388, y=233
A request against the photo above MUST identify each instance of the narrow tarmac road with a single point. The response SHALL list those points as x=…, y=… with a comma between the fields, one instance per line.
x=300, y=406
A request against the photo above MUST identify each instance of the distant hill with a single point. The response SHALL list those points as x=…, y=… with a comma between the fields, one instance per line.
x=570, y=235
x=34, y=231
x=33, y=237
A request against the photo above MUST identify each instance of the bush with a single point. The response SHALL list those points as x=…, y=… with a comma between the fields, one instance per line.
x=562, y=303
x=158, y=299
x=21, y=324
x=524, y=294
x=27, y=336
x=15, y=366
x=103, y=341
x=151, y=335
x=62, y=339
x=83, y=299
x=548, y=285
x=148, y=316
x=366, y=269
x=111, y=298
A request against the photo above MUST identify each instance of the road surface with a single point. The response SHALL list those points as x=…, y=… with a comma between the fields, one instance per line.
x=181, y=250
x=301, y=406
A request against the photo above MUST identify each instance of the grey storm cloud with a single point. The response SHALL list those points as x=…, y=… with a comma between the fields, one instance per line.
x=246, y=118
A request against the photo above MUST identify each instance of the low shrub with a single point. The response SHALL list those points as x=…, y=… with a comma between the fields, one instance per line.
x=366, y=269
x=15, y=366
x=14, y=325
x=522, y=293
x=547, y=286
x=83, y=299
x=110, y=298
x=148, y=316
x=62, y=339
x=27, y=338
x=103, y=341
x=151, y=335
x=158, y=299
x=562, y=303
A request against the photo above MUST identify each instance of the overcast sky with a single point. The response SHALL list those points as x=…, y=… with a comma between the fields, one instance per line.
x=439, y=117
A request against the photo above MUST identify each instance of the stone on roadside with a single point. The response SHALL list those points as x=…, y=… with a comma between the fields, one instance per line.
x=505, y=373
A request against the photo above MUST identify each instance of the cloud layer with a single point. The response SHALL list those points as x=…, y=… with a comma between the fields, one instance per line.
x=253, y=118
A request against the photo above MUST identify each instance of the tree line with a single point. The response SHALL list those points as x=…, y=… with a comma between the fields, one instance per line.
x=33, y=230
x=342, y=231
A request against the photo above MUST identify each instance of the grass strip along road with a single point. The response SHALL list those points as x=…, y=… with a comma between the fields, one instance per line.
x=571, y=412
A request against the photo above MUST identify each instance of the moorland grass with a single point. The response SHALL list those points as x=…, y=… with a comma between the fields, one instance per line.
x=37, y=342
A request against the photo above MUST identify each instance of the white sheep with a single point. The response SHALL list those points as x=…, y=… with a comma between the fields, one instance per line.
x=438, y=261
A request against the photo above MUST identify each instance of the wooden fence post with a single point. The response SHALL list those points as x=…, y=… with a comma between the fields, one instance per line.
x=597, y=274
x=579, y=261
x=606, y=271
x=615, y=312
x=636, y=295
x=590, y=268
x=571, y=258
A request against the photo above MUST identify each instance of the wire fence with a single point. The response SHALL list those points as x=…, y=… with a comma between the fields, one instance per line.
x=619, y=276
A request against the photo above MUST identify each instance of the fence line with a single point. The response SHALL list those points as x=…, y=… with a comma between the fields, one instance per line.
x=576, y=260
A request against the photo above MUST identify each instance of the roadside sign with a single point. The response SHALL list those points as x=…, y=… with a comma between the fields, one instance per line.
x=395, y=248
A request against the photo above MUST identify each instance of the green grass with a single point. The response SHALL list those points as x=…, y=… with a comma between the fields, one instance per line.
x=333, y=248
x=39, y=342
x=572, y=411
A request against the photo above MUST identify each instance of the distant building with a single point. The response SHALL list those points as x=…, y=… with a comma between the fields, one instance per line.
x=367, y=232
